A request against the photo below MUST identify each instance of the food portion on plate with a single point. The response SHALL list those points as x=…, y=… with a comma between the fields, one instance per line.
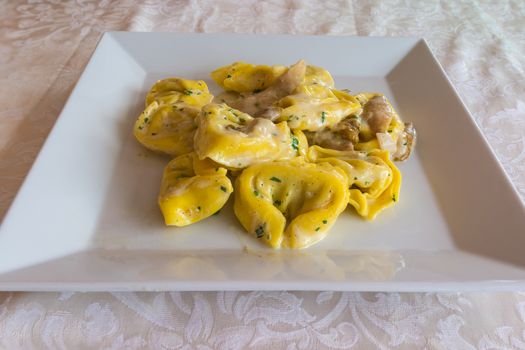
x=297, y=150
x=192, y=189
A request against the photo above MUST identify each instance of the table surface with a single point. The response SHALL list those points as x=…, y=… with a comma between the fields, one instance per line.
x=44, y=46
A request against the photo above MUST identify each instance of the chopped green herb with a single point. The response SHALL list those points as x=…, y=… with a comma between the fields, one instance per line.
x=275, y=179
x=325, y=221
x=224, y=189
x=216, y=169
x=367, y=182
x=140, y=127
x=256, y=193
x=389, y=131
x=277, y=202
x=198, y=208
x=146, y=120
x=153, y=133
x=295, y=143
x=404, y=143
x=355, y=178
x=188, y=92
x=323, y=116
x=259, y=231
x=354, y=116
x=317, y=229
x=229, y=76
x=394, y=197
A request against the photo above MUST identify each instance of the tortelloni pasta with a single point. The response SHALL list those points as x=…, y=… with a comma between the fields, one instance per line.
x=374, y=181
x=375, y=125
x=167, y=125
x=318, y=76
x=167, y=128
x=172, y=90
x=300, y=150
x=315, y=107
x=290, y=204
x=236, y=140
x=192, y=190
x=245, y=77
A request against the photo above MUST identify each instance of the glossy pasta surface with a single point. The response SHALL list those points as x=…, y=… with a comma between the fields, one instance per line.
x=294, y=150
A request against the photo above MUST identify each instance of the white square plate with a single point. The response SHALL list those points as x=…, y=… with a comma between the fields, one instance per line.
x=86, y=217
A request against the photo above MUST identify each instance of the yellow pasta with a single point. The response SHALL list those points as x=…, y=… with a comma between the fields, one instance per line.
x=290, y=204
x=299, y=150
x=244, y=77
x=374, y=181
x=173, y=90
x=192, y=190
x=167, y=129
x=318, y=76
x=314, y=107
x=236, y=140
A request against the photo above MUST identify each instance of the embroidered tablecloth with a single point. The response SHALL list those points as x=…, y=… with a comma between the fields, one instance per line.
x=44, y=46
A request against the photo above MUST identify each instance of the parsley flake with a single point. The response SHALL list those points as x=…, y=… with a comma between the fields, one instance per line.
x=317, y=229
x=224, y=189
x=259, y=231
x=323, y=116
x=325, y=221
x=295, y=143
x=275, y=179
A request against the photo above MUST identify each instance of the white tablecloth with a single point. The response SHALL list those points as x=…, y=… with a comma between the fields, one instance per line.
x=44, y=46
